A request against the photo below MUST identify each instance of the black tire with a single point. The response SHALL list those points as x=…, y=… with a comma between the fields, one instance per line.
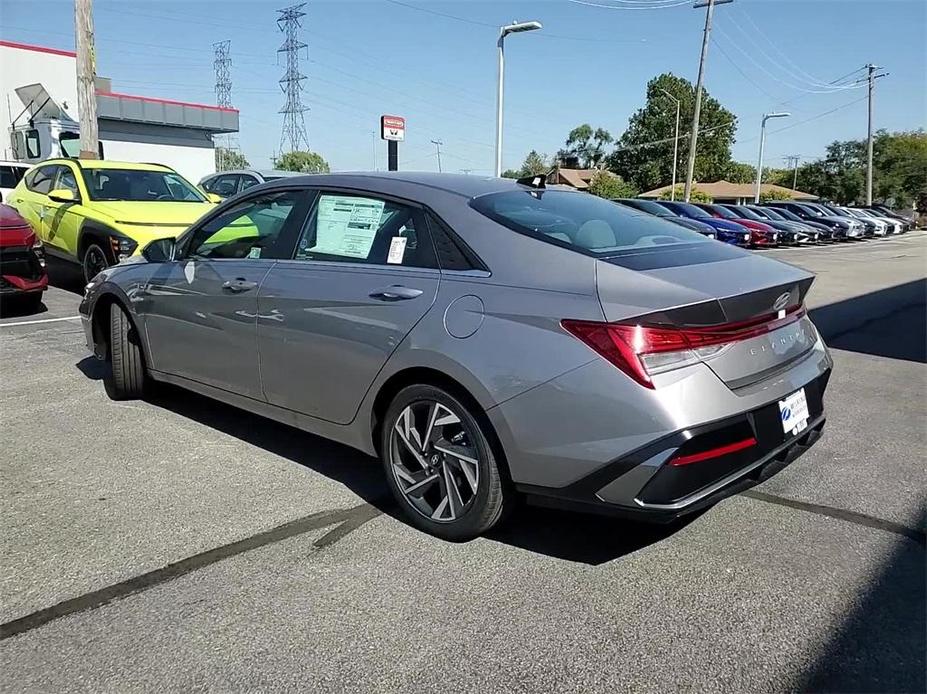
x=492, y=498
x=94, y=260
x=126, y=380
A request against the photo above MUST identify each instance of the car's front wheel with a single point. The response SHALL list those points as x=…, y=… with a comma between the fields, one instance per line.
x=94, y=261
x=440, y=465
x=126, y=380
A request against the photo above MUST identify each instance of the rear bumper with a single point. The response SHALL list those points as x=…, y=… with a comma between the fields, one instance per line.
x=13, y=285
x=644, y=485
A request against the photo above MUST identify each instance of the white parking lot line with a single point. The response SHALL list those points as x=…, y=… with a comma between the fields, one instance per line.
x=35, y=322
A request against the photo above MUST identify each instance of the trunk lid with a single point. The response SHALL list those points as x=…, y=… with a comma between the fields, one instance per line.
x=712, y=284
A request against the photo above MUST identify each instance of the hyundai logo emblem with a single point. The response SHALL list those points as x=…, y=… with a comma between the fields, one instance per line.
x=786, y=413
x=782, y=302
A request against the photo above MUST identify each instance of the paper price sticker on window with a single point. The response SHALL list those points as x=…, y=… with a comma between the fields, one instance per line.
x=397, y=249
x=347, y=225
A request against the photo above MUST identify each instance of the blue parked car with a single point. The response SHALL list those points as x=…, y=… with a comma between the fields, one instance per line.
x=729, y=232
x=650, y=207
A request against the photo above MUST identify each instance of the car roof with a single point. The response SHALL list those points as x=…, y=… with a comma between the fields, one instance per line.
x=14, y=163
x=383, y=181
x=109, y=164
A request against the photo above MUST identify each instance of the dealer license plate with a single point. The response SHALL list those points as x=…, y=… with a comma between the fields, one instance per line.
x=794, y=413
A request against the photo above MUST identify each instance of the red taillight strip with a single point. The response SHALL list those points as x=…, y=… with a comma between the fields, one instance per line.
x=714, y=452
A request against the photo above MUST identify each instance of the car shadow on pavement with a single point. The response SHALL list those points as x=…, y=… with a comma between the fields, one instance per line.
x=65, y=275
x=881, y=645
x=889, y=322
x=565, y=535
x=12, y=307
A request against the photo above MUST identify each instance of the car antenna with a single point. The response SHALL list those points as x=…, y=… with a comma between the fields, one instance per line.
x=539, y=181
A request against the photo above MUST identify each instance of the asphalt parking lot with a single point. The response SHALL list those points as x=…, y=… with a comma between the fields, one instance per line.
x=179, y=544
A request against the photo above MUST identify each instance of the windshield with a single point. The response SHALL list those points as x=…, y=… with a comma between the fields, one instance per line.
x=764, y=213
x=788, y=214
x=688, y=209
x=129, y=185
x=813, y=211
x=648, y=206
x=581, y=221
x=747, y=213
x=724, y=212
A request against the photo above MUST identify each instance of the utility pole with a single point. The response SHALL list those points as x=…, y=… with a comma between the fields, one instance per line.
x=693, y=136
x=675, y=143
x=294, y=121
x=437, y=144
x=222, y=64
x=373, y=136
x=792, y=163
x=871, y=77
x=86, y=80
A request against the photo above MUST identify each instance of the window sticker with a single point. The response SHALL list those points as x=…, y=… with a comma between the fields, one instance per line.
x=397, y=249
x=347, y=225
x=255, y=252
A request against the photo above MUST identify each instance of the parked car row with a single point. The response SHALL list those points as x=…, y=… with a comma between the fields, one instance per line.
x=776, y=223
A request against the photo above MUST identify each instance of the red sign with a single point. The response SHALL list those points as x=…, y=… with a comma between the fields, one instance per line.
x=393, y=128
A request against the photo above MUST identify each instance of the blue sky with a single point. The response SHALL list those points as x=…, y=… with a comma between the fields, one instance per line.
x=588, y=64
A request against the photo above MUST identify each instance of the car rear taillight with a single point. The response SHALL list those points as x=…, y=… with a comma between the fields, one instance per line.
x=642, y=351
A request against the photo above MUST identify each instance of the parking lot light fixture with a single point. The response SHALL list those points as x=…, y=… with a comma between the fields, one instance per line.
x=513, y=28
x=759, y=164
x=675, y=143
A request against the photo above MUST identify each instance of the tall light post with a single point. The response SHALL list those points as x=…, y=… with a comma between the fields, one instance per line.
x=675, y=143
x=759, y=164
x=513, y=28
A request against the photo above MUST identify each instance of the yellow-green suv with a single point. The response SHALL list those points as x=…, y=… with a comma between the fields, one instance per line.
x=98, y=213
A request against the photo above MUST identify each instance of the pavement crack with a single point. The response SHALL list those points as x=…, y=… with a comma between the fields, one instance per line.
x=345, y=520
x=914, y=534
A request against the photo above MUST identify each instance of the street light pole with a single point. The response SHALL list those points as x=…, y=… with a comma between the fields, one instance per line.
x=513, y=28
x=675, y=143
x=759, y=164
x=693, y=135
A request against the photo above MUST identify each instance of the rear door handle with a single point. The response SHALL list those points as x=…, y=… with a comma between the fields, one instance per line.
x=239, y=284
x=395, y=293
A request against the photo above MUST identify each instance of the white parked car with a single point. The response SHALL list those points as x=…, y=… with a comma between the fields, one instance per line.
x=225, y=184
x=11, y=173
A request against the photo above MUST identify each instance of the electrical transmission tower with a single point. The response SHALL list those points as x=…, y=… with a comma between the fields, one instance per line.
x=223, y=65
x=294, y=122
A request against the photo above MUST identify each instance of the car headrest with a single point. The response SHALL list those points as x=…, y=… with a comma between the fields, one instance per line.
x=595, y=233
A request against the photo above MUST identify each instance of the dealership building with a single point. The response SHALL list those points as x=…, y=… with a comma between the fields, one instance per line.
x=38, y=87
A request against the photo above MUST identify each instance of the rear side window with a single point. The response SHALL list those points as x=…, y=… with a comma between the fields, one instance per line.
x=452, y=253
x=358, y=229
x=582, y=222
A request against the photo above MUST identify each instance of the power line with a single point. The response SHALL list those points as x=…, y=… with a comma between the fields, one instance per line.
x=294, y=119
x=645, y=6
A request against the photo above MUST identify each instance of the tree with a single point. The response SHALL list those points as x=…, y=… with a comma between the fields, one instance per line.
x=738, y=172
x=773, y=194
x=644, y=155
x=585, y=147
x=607, y=185
x=228, y=159
x=696, y=196
x=534, y=164
x=511, y=173
x=304, y=162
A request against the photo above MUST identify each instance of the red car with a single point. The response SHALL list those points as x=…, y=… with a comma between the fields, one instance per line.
x=22, y=261
x=761, y=234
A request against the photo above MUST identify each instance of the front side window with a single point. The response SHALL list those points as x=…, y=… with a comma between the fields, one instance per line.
x=250, y=229
x=41, y=180
x=10, y=176
x=352, y=228
x=582, y=222
x=131, y=185
x=67, y=180
x=226, y=185
x=248, y=181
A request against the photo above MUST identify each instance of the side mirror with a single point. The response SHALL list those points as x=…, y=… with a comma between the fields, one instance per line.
x=63, y=195
x=213, y=198
x=160, y=250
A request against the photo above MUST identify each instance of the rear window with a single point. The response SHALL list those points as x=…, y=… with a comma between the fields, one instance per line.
x=582, y=222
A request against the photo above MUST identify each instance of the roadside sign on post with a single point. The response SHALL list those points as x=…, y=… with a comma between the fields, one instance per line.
x=393, y=128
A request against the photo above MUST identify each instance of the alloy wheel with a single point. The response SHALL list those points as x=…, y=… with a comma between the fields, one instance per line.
x=94, y=262
x=434, y=461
